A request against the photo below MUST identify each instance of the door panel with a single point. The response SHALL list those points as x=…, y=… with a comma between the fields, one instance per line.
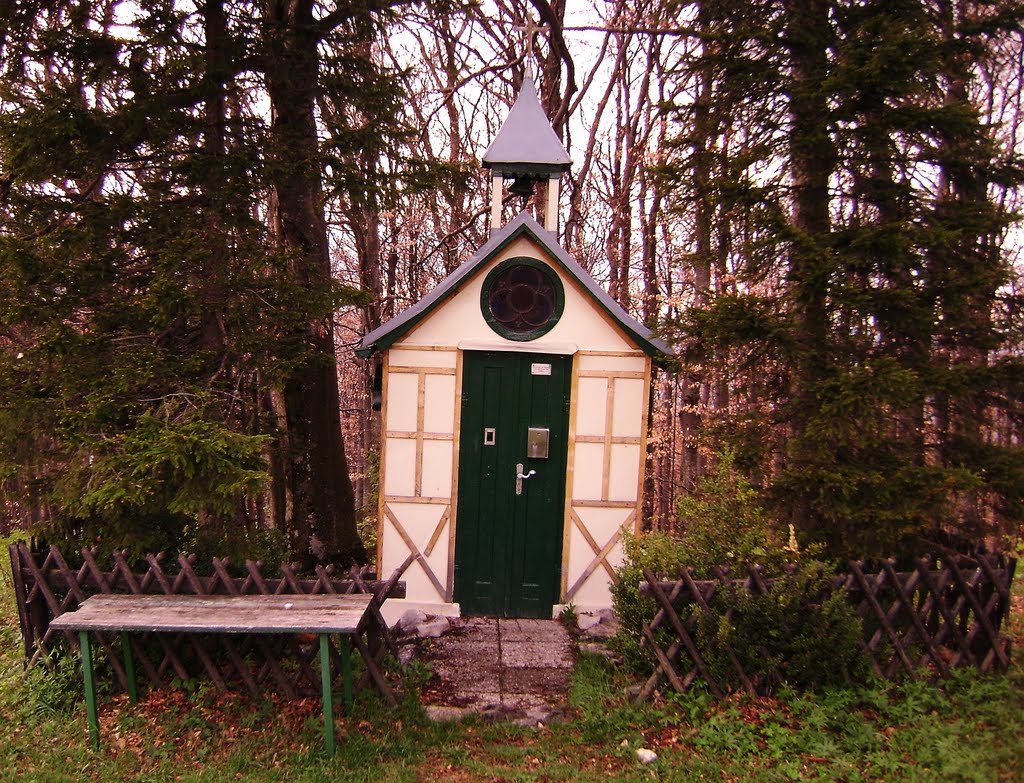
x=508, y=546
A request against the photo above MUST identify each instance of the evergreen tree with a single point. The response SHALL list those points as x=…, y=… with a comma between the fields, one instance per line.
x=884, y=315
x=166, y=348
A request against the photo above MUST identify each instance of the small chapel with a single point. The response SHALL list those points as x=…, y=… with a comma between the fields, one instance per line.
x=514, y=409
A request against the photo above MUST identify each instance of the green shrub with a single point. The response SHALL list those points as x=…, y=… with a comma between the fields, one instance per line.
x=366, y=516
x=236, y=543
x=802, y=629
x=53, y=687
x=802, y=633
x=724, y=525
x=659, y=552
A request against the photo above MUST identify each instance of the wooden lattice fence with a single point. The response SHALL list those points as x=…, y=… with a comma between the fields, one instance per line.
x=945, y=614
x=46, y=587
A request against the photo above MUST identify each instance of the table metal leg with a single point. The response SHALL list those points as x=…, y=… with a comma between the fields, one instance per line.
x=325, y=676
x=90, y=690
x=346, y=671
x=129, y=668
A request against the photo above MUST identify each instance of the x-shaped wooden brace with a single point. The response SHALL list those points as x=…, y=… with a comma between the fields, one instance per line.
x=601, y=552
x=421, y=557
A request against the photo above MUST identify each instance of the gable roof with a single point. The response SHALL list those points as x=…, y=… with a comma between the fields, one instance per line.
x=388, y=333
x=526, y=139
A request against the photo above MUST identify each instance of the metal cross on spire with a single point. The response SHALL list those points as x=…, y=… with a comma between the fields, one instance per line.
x=529, y=30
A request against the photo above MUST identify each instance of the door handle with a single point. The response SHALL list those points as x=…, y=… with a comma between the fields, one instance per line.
x=520, y=476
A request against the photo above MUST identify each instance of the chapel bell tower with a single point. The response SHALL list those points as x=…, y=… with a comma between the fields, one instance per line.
x=528, y=152
x=514, y=412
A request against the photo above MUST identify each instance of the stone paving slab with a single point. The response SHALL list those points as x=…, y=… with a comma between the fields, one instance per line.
x=524, y=701
x=474, y=686
x=542, y=681
x=483, y=700
x=480, y=628
x=517, y=669
x=536, y=655
x=532, y=631
x=483, y=649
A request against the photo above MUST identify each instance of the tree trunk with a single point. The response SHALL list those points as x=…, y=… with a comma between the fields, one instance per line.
x=812, y=162
x=695, y=385
x=365, y=222
x=214, y=273
x=321, y=524
x=967, y=328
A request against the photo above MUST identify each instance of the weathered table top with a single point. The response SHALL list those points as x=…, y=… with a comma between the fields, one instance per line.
x=218, y=614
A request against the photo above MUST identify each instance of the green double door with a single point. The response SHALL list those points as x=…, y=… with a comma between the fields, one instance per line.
x=512, y=459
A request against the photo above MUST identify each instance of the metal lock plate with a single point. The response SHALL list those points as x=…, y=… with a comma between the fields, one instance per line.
x=537, y=442
x=490, y=436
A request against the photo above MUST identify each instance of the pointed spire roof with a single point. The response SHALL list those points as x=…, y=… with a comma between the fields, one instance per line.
x=526, y=143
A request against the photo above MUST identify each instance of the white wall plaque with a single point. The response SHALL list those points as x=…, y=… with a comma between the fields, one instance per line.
x=538, y=368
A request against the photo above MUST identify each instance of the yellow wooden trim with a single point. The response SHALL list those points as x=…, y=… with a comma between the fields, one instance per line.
x=381, y=470
x=421, y=395
x=411, y=370
x=414, y=550
x=617, y=439
x=606, y=470
x=602, y=557
x=404, y=347
x=581, y=526
x=437, y=531
x=601, y=560
x=603, y=504
x=636, y=375
x=618, y=354
x=642, y=473
x=413, y=435
x=570, y=469
x=453, y=508
x=417, y=499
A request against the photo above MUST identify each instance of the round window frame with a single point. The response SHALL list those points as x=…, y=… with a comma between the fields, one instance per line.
x=499, y=328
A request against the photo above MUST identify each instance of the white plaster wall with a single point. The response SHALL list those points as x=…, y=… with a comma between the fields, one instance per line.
x=402, y=398
x=439, y=404
x=437, y=469
x=588, y=471
x=624, y=472
x=399, y=478
x=420, y=443
x=603, y=524
x=591, y=397
x=460, y=317
x=414, y=358
x=630, y=397
x=634, y=363
x=419, y=521
x=607, y=463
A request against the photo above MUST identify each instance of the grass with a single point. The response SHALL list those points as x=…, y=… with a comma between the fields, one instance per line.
x=967, y=729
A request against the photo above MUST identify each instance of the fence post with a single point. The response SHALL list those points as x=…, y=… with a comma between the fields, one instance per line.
x=21, y=598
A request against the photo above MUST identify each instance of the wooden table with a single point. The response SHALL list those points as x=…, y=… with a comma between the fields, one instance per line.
x=322, y=615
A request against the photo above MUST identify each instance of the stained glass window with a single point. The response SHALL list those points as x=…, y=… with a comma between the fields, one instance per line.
x=522, y=299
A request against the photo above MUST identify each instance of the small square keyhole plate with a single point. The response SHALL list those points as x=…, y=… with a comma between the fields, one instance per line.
x=490, y=436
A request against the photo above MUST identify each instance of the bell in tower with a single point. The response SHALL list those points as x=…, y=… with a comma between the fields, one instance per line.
x=528, y=152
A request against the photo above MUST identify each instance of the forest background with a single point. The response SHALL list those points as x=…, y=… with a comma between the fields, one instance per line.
x=203, y=206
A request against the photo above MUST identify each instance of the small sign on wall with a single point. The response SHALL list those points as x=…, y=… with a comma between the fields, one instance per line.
x=540, y=368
